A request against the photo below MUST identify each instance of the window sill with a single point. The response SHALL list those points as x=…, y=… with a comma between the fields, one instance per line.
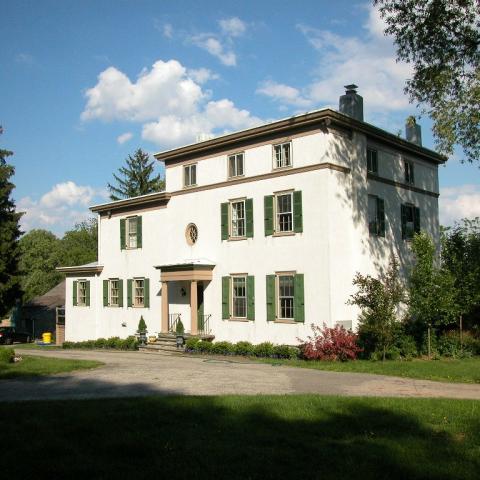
x=286, y=321
x=82, y=306
x=283, y=234
x=244, y=320
x=187, y=187
x=275, y=169
x=233, y=177
x=236, y=239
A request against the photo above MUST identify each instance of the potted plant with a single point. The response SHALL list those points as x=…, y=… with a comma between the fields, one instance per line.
x=180, y=332
x=142, y=331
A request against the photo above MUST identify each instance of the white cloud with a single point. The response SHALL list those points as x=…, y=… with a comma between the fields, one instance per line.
x=459, y=202
x=283, y=93
x=216, y=48
x=165, y=88
x=24, y=58
x=233, y=27
x=368, y=61
x=124, y=137
x=60, y=208
x=168, y=100
x=217, y=115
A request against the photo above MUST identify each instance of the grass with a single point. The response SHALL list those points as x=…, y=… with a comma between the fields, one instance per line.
x=235, y=437
x=445, y=370
x=33, y=346
x=32, y=366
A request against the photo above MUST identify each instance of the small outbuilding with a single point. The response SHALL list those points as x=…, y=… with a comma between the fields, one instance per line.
x=45, y=313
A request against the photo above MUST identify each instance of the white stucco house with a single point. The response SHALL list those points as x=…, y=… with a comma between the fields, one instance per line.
x=260, y=232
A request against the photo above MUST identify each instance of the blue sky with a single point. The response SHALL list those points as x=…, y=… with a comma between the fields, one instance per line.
x=85, y=83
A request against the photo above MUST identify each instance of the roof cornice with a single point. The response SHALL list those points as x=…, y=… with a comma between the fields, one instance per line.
x=325, y=117
x=81, y=269
x=143, y=200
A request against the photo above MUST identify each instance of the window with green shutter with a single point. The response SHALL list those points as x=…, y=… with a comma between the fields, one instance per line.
x=297, y=212
x=146, y=287
x=225, y=298
x=270, y=291
x=224, y=220
x=139, y=232
x=299, y=299
x=250, y=297
x=105, y=293
x=129, y=292
x=87, y=293
x=120, y=293
x=123, y=241
x=268, y=214
x=249, y=216
x=74, y=293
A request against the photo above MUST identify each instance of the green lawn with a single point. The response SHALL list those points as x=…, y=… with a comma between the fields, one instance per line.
x=32, y=366
x=234, y=437
x=446, y=370
x=33, y=346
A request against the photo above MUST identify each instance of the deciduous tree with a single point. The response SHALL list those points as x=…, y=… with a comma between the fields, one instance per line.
x=441, y=39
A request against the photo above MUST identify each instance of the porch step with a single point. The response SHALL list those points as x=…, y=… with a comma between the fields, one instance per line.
x=154, y=347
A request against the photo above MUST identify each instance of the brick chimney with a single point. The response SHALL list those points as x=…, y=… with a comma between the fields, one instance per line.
x=351, y=103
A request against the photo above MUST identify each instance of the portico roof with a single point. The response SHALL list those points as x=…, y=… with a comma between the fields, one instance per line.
x=192, y=269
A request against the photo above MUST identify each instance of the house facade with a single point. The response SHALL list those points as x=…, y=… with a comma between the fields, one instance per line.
x=260, y=232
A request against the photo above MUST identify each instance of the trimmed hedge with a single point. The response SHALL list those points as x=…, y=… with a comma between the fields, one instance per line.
x=113, y=343
x=265, y=349
x=7, y=355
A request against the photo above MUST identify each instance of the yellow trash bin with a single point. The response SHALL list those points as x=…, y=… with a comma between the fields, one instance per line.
x=47, y=337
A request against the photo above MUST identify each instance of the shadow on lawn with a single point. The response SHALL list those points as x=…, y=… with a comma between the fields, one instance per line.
x=238, y=437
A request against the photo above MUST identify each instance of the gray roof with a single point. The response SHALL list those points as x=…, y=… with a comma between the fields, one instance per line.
x=53, y=298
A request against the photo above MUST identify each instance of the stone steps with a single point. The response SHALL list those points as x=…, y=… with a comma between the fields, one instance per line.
x=159, y=348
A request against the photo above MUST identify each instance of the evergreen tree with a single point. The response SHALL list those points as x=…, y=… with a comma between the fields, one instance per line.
x=10, y=232
x=136, y=178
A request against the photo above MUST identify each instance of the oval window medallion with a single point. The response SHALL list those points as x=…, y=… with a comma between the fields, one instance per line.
x=191, y=234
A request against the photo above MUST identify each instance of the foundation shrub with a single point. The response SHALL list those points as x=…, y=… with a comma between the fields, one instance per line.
x=337, y=344
x=265, y=349
x=204, y=346
x=100, y=343
x=285, y=351
x=191, y=345
x=244, y=348
x=114, y=343
x=7, y=355
x=223, y=348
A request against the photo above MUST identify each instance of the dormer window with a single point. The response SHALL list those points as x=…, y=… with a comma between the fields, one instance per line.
x=235, y=165
x=282, y=155
x=372, y=161
x=190, y=175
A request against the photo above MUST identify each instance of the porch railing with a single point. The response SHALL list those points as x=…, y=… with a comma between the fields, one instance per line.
x=204, y=324
x=173, y=319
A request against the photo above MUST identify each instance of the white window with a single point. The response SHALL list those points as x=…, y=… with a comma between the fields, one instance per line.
x=82, y=292
x=113, y=293
x=284, y=212
x=237, y=214
x=286, y=295
x=235, y=165
x=138, y=292
x=409, y=174
x=282, y=155
x=132, y=232
x=239, y=297
x=190, y=175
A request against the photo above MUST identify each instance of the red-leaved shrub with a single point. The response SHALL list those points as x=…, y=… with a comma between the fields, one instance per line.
x=330, y=344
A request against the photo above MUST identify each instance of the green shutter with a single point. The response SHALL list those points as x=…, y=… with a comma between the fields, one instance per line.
x=120, y=293
x=74, y=292
x=139, y=232
x=123, y=242
x=249, y=216
x=268, y=212
x=270, y=298
x=380, y=217
x=224, y=220
x=225, y=297
x=146, y=293
x=403, y=213
x=299, y=300
x=250, y=297
x=297, y=212
x=416, y=220
x=87, y=293
x=129, y=292
x=105, y=293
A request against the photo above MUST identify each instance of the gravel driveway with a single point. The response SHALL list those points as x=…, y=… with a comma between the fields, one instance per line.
x=127, y=374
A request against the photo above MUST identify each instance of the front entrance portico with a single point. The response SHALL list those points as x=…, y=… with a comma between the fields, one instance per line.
x=195, y=276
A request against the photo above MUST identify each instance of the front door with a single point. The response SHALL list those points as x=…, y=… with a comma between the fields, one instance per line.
x=200, y=316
